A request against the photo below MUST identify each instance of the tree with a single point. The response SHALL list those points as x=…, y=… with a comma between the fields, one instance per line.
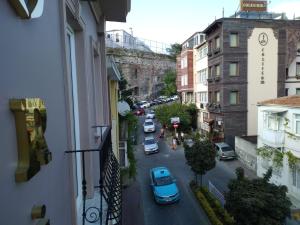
x=193, y=111
x=257, y=202
x=170, y=83
x=174, y=50
x=164, y=113
x=125, y=95
x=200, y=157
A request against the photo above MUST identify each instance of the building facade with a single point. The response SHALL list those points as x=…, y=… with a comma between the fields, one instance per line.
x=247, y=63
x=279, y=134
x=200, y=86
x=185, y=68
x=55, y=112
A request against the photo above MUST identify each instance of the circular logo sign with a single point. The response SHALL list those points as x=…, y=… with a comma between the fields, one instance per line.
x=263, y=39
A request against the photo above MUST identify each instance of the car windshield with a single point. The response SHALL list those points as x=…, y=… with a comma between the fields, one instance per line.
x=226, y=149
x=160, y=181
x=149, y=142
x=148, y=123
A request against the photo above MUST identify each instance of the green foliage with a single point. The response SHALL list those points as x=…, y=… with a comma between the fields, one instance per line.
x=220, y=212
x=132, y=122
x=170, y=83
x=257, y=202
x=193, y=111
x=278, y=159
x=205, y=205
x=200, y=157
x=293, y=160
x=174, y=50
x=165, y=112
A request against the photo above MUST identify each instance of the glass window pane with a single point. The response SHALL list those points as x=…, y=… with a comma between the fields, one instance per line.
x=297, y=91
x=233, y=40
x=298, y=69
x=298, y=127
x=233, y=97
x=233, y=69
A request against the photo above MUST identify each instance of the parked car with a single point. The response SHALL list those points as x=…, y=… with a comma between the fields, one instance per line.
x=150, y=145
x=224, y=151
x=144, y=104
x=139, y=112
x=150, y=115
x=163, y=186
x=175, y=97
x=149, y=126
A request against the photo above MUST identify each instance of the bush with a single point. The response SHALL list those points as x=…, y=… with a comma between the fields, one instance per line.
x=205, y=205
x=221, y=213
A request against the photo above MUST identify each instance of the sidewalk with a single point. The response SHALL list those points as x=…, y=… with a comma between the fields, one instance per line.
x=132, y=205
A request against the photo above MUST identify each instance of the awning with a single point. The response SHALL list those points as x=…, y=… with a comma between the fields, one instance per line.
x=275, y=111
x=112, y=69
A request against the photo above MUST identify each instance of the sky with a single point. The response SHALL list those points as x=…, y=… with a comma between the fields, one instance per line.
x=173, y=21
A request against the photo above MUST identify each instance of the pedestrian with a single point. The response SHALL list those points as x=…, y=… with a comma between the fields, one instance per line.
x=174, y=143
x=162, y=133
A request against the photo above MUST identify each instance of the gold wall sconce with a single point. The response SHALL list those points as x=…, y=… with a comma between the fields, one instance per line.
x=39, y=212
x=30, y=120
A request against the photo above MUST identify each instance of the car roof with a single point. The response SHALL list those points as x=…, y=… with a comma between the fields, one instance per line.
x=149, y=137
x=148, y=120
x=160, y=172
x=222, y=144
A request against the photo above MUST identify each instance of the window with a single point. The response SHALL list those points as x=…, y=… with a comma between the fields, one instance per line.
x=234, y=98
x=198, y=77
x=135, y=73
x=217, y=97
x=297, y=124
x=233, y=42
x=210, y=72
x=217, y=42
x=210, y=96
x=217, y=70
x=183, y=62
x=298, y=69
x=297, y=91
x=273, y=122
x=233, y=69
x=205, y=115
x=203, y=76
x=296, y=176
x=209, y=47
x=117, y=37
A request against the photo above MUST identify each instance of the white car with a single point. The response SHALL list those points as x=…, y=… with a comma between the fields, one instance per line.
x=150, y=115
x=150, y=145
x=149, y=126
x=144, y=104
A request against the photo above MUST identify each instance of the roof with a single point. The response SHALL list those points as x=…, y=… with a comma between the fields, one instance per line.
x=198, y=32
x=160, y=172
x=222, y=144
x=291, y=101
x=149, y=137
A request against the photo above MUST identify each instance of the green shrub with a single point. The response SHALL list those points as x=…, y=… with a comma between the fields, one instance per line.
x=205, y=205
x=221, y=213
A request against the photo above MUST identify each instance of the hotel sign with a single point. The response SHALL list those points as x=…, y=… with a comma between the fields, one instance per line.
x=254, y=6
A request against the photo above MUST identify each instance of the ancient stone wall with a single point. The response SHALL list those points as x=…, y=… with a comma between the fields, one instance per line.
x=144, y=71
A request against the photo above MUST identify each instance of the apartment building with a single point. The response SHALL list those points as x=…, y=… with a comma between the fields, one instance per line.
x=279, y=134
x=200, y=86
x=185, y=69
x=56, y=121
x=247, y=63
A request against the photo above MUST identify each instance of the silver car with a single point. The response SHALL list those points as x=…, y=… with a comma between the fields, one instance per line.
x=150, y=145
x=149, y=126
x=224, y=151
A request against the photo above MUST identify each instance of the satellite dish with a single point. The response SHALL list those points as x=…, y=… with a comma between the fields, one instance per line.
x=123, y=108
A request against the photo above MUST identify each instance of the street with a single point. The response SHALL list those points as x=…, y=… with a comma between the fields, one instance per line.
x=187, y=211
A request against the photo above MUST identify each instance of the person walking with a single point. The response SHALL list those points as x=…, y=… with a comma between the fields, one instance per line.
x=174, y=143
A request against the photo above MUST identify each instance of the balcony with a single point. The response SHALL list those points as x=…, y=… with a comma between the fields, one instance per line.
x=217, y=78
x=209, y=79
x=273, y=138
x=209, y=54
x=217, y=50
x=108, y=192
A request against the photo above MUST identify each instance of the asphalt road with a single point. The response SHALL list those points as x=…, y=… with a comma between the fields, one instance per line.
x=187, y=211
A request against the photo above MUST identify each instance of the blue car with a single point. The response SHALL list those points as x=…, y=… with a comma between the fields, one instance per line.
x=164, y=186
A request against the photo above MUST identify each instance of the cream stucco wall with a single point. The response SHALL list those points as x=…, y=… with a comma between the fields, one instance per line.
x=257, y=91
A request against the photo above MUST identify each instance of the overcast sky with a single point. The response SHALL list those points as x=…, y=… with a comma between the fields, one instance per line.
x=172, y=21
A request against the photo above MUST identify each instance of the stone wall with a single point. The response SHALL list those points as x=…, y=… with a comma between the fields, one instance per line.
x=144, y=71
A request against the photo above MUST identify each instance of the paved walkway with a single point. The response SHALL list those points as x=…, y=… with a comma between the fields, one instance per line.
x=132, y=211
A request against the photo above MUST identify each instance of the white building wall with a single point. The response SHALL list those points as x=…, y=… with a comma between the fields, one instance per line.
x=261, y=59
x=281, y=176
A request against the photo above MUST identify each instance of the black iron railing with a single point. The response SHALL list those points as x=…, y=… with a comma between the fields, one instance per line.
x=109, y=184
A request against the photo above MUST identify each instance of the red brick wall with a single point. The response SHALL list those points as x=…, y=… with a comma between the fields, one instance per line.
x=188, y=70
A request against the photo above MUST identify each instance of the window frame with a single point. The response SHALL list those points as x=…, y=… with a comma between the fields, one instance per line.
x=217, y=70
x=237, y=97
x=217, y=41
x=237, y=39
x=297, y=69
x=237, y=69
x=295, y=121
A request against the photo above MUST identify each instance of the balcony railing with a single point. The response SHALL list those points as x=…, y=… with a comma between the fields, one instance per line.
x=273, y=138
x=109, y=185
